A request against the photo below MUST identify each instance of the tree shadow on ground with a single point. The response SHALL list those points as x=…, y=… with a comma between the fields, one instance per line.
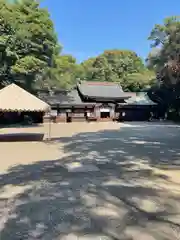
x=120, y=197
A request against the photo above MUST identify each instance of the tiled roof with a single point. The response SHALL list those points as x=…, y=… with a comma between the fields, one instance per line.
x=107, y=90
x=101, y=83
x=140, y=99
x=71, y=98
x=53, y=99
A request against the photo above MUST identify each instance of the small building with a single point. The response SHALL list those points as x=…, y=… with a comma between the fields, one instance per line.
x=137, y=108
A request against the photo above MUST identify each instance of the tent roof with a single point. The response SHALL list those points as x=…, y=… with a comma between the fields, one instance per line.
x=13, y=98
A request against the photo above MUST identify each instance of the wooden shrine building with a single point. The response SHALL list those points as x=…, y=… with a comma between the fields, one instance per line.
x=97, y=101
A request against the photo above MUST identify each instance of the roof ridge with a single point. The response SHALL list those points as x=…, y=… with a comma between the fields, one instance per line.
x=101, y=83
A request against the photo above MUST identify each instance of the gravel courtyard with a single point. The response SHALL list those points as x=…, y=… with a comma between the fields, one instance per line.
x=99, y=181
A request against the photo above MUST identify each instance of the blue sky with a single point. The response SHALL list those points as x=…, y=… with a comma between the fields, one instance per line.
x=86, y=28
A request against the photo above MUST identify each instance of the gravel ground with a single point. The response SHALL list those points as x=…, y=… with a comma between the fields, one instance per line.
x=104, y=181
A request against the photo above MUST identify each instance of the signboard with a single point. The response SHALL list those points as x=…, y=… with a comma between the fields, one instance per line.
x=68, y=111
x=80, y=115
x=53, y=113
x=104, y=110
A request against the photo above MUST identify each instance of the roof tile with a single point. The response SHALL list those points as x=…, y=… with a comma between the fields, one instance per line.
x=102, y=90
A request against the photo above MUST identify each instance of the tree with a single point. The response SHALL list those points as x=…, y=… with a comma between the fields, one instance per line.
x=124, y=62
x=87, y=68
x=28, y=42
x=140, y=81
x=30, y=54
x=64, y=74
x=118, y=66
x=166, y=60
x=101, y=70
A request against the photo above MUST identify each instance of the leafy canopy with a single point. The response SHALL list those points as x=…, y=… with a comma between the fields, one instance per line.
x=27, y=40
x=165, y=57
x=121, y=66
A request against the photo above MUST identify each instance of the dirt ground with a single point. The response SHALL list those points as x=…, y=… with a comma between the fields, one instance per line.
x=99, y=181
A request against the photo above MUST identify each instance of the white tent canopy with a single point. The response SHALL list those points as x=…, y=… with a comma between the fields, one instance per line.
x=15, y=99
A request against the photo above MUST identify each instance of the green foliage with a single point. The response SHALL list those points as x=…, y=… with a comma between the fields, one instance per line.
x=64, y=73
x=28, y=65
x=166, y=60
x=121, y=66
x=140, y=81
x=28, y=42
x=30, y=54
